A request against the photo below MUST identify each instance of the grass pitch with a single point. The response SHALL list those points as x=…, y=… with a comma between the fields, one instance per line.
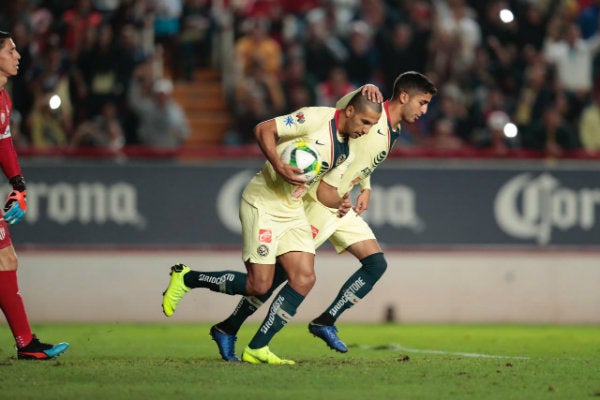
x=180, y=361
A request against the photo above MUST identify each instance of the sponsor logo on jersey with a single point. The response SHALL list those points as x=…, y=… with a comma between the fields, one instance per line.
x=379, y=158
x=319, y=143
x=2, y=233
x=2, y=118
x=298, y=192
x=314, y=230
x=300, y=118
x=6, y=133
x=262, y=250
x=265, y=235
x=288, y=120
x=381, y=133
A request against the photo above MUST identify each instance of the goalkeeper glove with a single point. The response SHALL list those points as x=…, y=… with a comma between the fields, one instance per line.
x=16, y=201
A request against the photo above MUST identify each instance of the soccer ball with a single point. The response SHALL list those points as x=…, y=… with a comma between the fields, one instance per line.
x=302, y=155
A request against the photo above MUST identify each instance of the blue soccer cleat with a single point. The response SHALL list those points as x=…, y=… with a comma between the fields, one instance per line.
x=226, y=344
x=329, y=335
x=37, y=350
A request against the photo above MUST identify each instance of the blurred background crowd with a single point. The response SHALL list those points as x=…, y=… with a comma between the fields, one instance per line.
x=512, y=75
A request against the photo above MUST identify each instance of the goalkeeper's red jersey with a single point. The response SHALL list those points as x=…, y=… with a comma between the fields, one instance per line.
x=8, y=155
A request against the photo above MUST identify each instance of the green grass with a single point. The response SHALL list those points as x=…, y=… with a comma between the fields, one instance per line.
x=179, y=361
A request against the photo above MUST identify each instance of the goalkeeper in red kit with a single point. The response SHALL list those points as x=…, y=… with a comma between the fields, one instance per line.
x=11, y=303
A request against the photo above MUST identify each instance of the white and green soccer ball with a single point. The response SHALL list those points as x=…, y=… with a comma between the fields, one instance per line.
x=302, y=155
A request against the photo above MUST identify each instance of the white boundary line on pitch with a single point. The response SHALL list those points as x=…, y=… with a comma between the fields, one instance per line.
x=442, y=352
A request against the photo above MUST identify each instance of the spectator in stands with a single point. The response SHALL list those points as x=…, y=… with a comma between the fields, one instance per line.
x=458, y=20
x=551, y=134
x=380, y=16
x=131, y=53
x=443, y=136
x=51, y=75
x=196, y=36
x=532, y=27
x=162, y=122
x=573, y=58
x=76, y=21
x=22, y=96
x=167, y=28
x=536, y=94
x=101, y=131
x=46, y=125
x=588, y=17
x=299, y=88
x=398, y=55
x=451, y=105
x=334, y=87
x=258, y=96
x=589, y=125
x=256, y=48
x=322, y=49
x=362, y=62
x=99, y=66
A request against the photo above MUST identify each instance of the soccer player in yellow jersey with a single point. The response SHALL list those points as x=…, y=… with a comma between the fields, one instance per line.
x=274, y=226
x=412, y=93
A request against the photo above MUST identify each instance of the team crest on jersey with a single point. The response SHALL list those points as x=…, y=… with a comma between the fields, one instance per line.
x=300, y=118
x=366, y=172
x=340, y=159
x=265, y=235
x=262, y=250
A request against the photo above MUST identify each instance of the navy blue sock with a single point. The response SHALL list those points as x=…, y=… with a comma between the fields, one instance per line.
x=282, y=310
x=249, y=304
x=229, y=282
x=355, y=288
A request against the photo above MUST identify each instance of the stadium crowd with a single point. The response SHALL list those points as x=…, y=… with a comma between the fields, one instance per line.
x=518, y=74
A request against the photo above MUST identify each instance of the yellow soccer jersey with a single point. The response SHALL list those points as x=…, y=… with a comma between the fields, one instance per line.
x=368, y=152
x=318, y=127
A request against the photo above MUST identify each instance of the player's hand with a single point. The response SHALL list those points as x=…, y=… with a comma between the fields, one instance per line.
x=362, y=201
x=291, y=174
x=16, y=201
x=372, y=93
x=345, y=205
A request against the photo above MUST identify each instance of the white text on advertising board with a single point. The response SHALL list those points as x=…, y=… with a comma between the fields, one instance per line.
x=530, y=208
x=84, y=203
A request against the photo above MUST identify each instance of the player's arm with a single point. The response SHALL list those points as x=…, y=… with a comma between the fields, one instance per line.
x=329, y=197
x=16, y=204
x=267, y=137
x=371, y=91
x=362, y=201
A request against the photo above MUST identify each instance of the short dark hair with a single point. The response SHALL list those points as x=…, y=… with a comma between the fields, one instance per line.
x=360, y=102
x=3, y=37
x=411, y=82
